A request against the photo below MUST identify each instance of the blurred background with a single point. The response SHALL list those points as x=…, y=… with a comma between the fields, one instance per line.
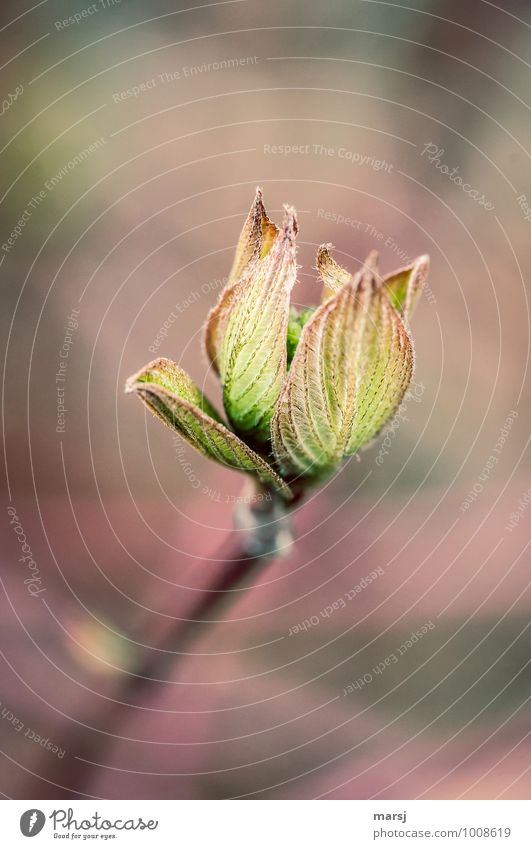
x=133, y=136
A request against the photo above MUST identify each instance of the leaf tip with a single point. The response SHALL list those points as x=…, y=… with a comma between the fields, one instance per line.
x=371, y=263
x=423, y=265
x=290, y=225
x=324, y=254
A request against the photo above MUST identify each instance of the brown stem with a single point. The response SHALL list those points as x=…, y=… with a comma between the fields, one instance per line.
x=262, y=533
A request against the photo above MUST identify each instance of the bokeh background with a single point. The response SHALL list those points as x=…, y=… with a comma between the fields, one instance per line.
x=180, y=107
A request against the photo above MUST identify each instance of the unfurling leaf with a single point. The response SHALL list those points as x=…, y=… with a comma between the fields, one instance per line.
x=333, y=275
x=350, y=371
x=253, y=358
x=173, y=396
x=405, y=285
x=255, y=242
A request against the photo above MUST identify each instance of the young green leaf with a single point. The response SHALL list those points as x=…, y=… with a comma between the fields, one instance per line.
x=351, y=369
x=256, y=240
x=386, y=368
x=174, y=398
x=253, y=357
